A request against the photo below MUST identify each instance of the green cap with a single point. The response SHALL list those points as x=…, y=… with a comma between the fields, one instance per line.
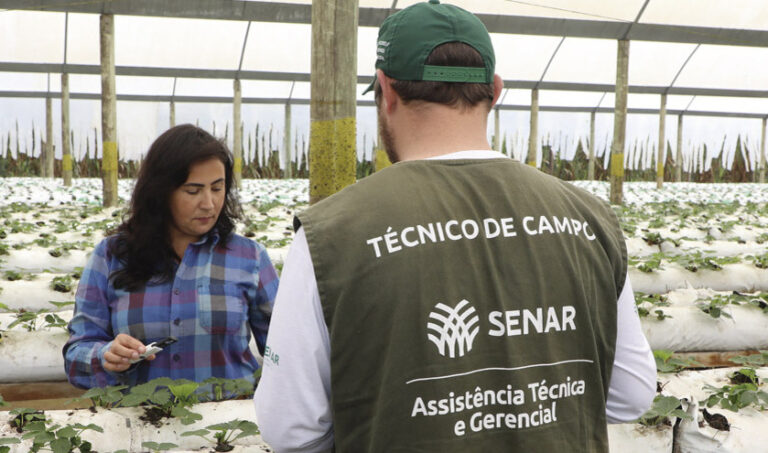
x=407, y=37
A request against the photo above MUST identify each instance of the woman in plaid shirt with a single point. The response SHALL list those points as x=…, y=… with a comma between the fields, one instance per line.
x=173, y=268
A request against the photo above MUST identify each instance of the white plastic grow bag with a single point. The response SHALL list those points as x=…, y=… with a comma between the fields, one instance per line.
x=749, y=427
x=32, y=356
x=690, y=329
x=636, y=438
x=733, y=277
x=34, y=294
x=123, y=429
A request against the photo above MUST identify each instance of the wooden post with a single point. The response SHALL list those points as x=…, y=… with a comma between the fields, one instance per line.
x=47, y=151
x=619, y=123
x=108, y=111
x=380, y=158
x=287, y=142
x=237, y=134
x=332, y=156
x=591, y=165
x=533, y=136
x=66, y=148
x=496, y=130
x=172, y=114
x=679, y=158
x=662, y=142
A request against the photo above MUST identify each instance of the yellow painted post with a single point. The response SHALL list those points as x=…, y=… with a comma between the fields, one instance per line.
x=619, y=123
x=237, y=135
x=380, y=158
x=66, y=149
x=662, y=142
x=332, y=145
x=533, y=139
x=108, y=111
x=172, y=114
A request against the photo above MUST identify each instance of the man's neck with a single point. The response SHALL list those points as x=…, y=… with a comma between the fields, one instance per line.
x=434, y=130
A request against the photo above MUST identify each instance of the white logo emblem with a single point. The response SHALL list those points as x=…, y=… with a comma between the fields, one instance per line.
x=454, y=328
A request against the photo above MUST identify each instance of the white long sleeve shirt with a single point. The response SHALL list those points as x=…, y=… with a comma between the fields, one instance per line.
x=293, y=399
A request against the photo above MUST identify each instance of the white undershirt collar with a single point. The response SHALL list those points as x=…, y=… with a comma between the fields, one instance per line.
x=470, y=154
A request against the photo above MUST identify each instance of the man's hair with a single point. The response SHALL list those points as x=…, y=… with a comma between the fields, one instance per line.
x=142, y=241
x=454, y=94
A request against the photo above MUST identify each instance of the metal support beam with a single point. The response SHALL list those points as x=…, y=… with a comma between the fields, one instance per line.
x=265, y=11
x=619, y=123
x=361, y=103
x=141, y=71
x=108, y=111
x=662, y=142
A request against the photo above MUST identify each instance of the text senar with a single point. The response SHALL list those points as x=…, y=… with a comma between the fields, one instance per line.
x=523, y=322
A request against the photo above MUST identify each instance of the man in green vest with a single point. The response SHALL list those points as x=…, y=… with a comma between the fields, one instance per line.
x=458, y=300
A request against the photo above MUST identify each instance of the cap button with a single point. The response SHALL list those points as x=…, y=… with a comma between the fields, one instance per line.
x=434, y=2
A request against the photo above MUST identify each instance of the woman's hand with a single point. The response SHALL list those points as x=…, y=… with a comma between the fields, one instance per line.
x=124, y=349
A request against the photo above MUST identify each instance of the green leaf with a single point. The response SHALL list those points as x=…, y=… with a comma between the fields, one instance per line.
x=200, y=433
x=184, y=390
x=186, y=416
x=9, y=440
x=61, y=445
x=90, y=426
x=66, y=432
x=157, y=447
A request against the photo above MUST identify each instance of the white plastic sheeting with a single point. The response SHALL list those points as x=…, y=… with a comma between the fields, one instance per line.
x=38, y=37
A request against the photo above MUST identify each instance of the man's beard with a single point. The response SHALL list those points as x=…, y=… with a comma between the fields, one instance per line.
x=387, y=140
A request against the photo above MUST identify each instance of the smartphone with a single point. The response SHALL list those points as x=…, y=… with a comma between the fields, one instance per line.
x=154, y=348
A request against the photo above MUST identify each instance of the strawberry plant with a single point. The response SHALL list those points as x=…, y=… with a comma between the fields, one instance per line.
x=661, y=410
x=60, y=439
x=225, y=433
x=666, y=362
x=167, y=398
x=714, y=306
x=25, y=416
x=737, y=396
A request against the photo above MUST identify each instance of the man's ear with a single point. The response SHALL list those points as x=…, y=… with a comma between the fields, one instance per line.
x=498, y=85
x=389, y=97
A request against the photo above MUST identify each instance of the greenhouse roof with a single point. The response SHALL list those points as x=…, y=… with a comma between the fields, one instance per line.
x=709, y=56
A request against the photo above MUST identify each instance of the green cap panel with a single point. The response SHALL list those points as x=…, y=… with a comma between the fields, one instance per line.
x=407, y=37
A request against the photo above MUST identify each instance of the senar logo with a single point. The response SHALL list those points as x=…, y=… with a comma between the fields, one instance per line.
x=454, y=328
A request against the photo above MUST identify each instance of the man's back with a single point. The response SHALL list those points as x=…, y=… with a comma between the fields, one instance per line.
x=475, y=306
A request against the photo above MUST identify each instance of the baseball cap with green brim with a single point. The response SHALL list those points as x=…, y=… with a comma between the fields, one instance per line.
x=407, y=37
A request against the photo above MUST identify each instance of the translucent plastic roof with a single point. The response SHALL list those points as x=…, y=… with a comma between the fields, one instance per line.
x=523, y=60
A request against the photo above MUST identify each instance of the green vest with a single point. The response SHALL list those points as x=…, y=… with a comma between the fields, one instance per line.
x=471, y=306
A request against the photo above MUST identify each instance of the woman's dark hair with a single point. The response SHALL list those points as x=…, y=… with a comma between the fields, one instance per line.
x=454, y=94
x=142, y=241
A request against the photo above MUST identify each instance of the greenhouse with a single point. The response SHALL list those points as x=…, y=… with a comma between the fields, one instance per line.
x=657, y=107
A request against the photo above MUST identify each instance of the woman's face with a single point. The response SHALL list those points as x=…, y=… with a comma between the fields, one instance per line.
x=196, y=204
